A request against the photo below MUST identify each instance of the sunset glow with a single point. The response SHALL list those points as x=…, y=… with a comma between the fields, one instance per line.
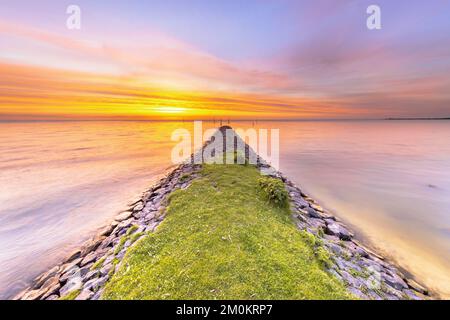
x=167, y=64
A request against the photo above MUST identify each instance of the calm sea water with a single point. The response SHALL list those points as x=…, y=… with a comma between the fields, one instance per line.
x=61, y=181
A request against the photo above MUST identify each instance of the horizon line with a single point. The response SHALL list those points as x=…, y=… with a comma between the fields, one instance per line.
x=223, y=120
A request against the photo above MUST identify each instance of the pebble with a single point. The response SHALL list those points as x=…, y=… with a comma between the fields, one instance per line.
x=336, y=229
x=88, y=259
x=84, y=295
x=72, y=284
x=39, y=281
x=123, y=216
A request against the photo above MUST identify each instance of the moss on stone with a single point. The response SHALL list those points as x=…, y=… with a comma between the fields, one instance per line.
x=221, y=240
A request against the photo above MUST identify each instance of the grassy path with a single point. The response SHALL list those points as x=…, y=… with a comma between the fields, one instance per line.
x=222, y=240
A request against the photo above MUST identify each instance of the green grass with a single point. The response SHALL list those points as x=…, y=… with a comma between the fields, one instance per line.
x=98, y=264
x=222, y=240
x=71, y=296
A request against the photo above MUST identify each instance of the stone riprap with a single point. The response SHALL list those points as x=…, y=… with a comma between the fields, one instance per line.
x=366, y=274
x=84, y=273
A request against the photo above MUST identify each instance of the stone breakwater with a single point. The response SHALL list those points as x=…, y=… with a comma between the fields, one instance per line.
x=84, y=273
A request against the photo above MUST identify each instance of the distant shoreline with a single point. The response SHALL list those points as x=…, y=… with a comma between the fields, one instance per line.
x=211, y=120
x=388, y=119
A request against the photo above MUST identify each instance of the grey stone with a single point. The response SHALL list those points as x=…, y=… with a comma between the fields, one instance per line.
x=356, y=249
x=316, y=222
x=349, y=279
x=84, y=295
x=34, y=294
x=317, y=207
x=334, y=248
x=88, y=259
x=336, y=229
x=395, y=281
x=91, y=275
x=39, y=281
x=123, y=216
x=95, y=284
x=412, y=295
x=331, y=238
x=91, y=245
x=72, y=284
x=151, y=215
x=70, y=265
x=106, y=269
x=73, y=255
x=312, y=213
x=85, y=270
x=357, y=293
x=74, y=271
x=52, y=286
x=97, y=295
x=106, y=231
x=417, y=287
x=125, y=224
x=138, y=207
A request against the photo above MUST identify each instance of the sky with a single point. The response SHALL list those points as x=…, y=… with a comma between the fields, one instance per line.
x=195, y=59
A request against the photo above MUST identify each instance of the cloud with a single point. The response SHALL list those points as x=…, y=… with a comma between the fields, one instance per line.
x=154, y=56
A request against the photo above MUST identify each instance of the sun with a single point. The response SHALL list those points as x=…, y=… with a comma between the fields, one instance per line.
x=171, y=110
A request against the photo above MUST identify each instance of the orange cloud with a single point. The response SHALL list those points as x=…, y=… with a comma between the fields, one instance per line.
x=39, y=92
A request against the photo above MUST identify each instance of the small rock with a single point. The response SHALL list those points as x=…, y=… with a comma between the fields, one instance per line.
x=123, y=216
x=85, y=270
x=395, y=282
x=89, y=258
x=74, y=283
x=106, y=231
x=106, y=269
x=331, y=238
x=125, y=224
x=70, y=265
x=91, y=275
x=52, y=285
x=91, y=245
x=417, y=287
x=301, y=218
x=74, y=255
x=20, y=295
x=95, y=284
x=336, y=229
x=97, y=295
x=336, y=249
x=316, y=223
x=312, y=213
x=34, y=294
x=67, y=268
x=39, y=281
x=317, y=207
x=85, y=295
x=52, y=297
x=74, y=271
x=356, y=249
x=413, y=295
x=357, y=293
x=138, y=207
